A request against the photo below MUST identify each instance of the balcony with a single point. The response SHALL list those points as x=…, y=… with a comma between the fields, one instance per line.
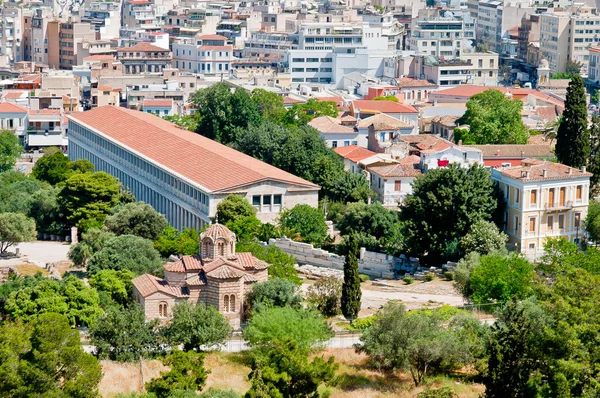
x=559, y=205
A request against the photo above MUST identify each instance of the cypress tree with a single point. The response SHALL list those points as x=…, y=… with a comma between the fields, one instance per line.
x=351, y=293
x=573, y=136
x=594, y=160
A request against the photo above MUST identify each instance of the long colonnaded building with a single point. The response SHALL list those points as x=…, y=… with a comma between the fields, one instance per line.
x=183, y=175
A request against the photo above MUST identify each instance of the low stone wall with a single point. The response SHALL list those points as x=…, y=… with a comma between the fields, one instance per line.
x=376, y=265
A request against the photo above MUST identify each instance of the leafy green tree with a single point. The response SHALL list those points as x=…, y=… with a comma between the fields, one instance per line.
x=270, y=105
x=444, y=204
x=238, y=215
x=351, y=293
x=483, y=237
x=515, y=350
x=573, y=68
x=263, y=141
x=350, y=187
x=16, y=196
x=573, y=137
x=500, y=278
x=126, y=252
x=14, y=229
x=313, y=108
x=173, y=241
x=221, y=115
x=116, y=285
x=325, y=295
x=276, y=292
x=197, y=327
x=56, y=167
x=301, y=152
x=421, y=343
x=386, y=98
x=72, y=298
x=91, y=242
x=369, y=219
x=10, y=150
x=187, y=374
x=45, y=210
x=594, y=159
x=285, y=371
x=278, y=325
x=123, y=334
x=44, y=358
x=86, y=199
x=139, y=219
x=307, y=221
x=592, y=221
x=281, y=263
x=462, y=273
x=493, y=119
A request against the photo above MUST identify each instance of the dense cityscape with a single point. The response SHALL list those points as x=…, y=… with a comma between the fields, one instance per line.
x=318, y=199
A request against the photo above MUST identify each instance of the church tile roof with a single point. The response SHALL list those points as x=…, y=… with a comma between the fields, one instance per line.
x=148, y=284
x=226, y=272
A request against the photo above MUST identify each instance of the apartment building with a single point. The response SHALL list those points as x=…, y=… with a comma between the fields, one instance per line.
x=485, y=67
x=35, y=36
x=139, y=14
x=71, y=33
x=206, y=54
x=495, y=17
x=104, y=17
x=11, y=34
x=435, y=35
x=543, y=200
x=144, y=58
x=274, y=46
x=567, y=36
x=594, y=66
x=443, y=72
x=529, y=32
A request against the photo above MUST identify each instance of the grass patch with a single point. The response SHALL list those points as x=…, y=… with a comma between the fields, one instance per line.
x=30, y=269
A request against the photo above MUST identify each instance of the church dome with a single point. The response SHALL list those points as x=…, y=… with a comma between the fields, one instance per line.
x=217, y=231
x=217, y=241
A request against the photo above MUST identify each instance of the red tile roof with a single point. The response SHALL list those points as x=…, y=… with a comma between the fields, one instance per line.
x=534, y=169
x=142, y=47
x=396, y=170
x=382, y=107
x=215, y=47
x=514, y=150
x=99, y=57
x=289, y=100
x=13, y=94
x=410, y=82
x=7, y=107
x=213, y=166
x=148, y=284
x=212, y=37
x=337, y=100
x=158, y=102
x=463, y=91
x=354, y=153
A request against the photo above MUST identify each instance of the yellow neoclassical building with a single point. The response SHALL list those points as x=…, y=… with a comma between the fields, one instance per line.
x=543, y=200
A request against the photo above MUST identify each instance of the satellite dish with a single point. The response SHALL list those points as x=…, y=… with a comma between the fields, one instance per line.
x=448, y=14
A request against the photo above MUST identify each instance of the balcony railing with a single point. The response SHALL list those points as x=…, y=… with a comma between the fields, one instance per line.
x=558, y=205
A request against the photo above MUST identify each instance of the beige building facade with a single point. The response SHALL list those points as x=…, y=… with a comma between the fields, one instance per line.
x=543, y=200
x=217, y=276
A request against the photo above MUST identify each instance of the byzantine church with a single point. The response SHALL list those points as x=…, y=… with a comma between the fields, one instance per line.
x=217, y=276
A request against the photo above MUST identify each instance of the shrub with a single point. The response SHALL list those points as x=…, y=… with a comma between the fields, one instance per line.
x=325, y=295
x=449, y=275
x=408, y=280
x=429, y=277
x=364, y=277
x=362, y=323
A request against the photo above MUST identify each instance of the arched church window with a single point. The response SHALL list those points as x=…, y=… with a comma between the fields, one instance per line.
x=221, y=248
x=206, y=248
x=162, y=309
x=226, y=303
x=232, y=303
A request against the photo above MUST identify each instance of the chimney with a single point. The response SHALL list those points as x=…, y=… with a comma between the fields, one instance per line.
x=544, y=173
x=570, y=171
x=498, y=152
x=583, y=169
x=459, y=142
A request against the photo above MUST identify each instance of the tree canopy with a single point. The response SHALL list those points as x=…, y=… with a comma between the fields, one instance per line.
x=493, y=119
x=276, y=292
x=139, y=219
x=444, y=204
x=173, y=241
x=14, y=229
x=10, y=150
x=127, y=252
x=44, y=358
x=86, y=199
x=307, y=221
x=56, y=167
x=573, y=137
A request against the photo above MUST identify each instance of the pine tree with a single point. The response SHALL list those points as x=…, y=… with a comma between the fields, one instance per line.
x=573, y=136
x=594, y=160
x=351, y=293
